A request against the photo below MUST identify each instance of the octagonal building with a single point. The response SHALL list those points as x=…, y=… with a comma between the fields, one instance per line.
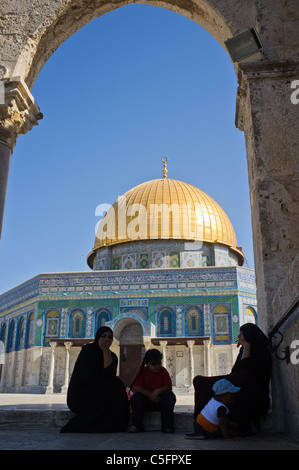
x=166, y=272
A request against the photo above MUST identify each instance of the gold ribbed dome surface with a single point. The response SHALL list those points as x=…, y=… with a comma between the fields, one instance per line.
x=163, y=209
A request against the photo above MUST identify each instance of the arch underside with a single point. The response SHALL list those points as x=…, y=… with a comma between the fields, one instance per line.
x=54, y=30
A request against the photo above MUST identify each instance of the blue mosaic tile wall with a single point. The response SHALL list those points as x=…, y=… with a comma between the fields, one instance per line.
x=81, y=300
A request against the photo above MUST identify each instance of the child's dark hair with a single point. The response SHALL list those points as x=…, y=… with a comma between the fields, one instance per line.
x=152, y=356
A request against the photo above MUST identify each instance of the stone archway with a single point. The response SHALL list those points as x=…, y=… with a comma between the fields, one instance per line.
x=48, y=26
x=32, y=31
x=265, y=111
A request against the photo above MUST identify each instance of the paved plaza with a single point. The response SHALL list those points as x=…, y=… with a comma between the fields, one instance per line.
x=32, y=422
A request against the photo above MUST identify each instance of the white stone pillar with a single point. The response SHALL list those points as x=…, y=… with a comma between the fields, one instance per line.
x=147, y=341
x=2, y=366
x=50, y=387
x=68, y=346
x=190, y=346
x=163, y=345
x=207, y=357
x=116, y=349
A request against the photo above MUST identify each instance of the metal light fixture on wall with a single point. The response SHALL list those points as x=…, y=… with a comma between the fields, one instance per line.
x=245, y=46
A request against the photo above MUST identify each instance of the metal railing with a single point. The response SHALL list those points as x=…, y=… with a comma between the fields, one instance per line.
x=275, y=331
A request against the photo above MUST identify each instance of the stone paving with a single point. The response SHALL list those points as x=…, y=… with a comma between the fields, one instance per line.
x=18, y=433
x=49, y=438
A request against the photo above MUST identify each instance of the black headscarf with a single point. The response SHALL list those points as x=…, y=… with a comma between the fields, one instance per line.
x=259, y=342
x=259, y=361
x=102, y=330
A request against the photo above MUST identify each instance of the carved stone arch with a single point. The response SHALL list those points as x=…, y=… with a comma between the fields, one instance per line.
x=123, y=320
x=61, y=19
x=266, y=111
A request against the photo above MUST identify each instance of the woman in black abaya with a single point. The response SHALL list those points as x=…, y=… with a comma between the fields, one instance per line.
x=251, y=372
x=95, y=394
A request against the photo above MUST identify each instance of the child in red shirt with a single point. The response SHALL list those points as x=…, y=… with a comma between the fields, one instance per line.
x=152, y=392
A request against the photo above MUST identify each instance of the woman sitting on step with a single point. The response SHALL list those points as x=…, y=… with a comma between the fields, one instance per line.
x=251, y=372
x=95, y=394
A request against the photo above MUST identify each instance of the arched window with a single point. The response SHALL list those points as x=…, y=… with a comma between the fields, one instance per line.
x=3, y=333
x=30, y=329
x=77, y=324
x=102, y=317
x=221, y=323
x=52, y=324
x=193, y=322
x=20, y=334
x=166, y=326
x=249, y=315
x=11, y=336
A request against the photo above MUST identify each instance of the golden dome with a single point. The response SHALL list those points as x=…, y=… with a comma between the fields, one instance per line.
x=165, y=209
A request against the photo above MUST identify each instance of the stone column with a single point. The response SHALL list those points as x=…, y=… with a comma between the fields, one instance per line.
x=2, y=366
x=267, y=112
x=68, y=346
x=190, y=346
x=207, y=356
x=147, y=341
x=18, y=114
x=5, y=154
x=163, y=345
x=50, y=387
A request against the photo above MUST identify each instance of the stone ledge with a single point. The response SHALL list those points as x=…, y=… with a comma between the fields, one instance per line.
x=58, y=418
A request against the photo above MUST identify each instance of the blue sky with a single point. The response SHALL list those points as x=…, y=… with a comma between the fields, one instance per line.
x=131, y=87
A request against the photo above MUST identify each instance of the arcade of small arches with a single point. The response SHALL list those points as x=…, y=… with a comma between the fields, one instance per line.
x=133, y=333
x=18, y=333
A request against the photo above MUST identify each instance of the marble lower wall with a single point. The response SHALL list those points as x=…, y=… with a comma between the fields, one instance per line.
x=28, y=370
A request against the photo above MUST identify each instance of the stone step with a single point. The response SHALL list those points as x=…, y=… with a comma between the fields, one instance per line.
x=183, y=421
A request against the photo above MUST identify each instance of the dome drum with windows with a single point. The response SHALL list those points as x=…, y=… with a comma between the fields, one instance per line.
x=167, y=215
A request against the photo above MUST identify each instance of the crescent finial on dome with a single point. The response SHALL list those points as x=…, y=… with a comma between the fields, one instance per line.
x=164, y=160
